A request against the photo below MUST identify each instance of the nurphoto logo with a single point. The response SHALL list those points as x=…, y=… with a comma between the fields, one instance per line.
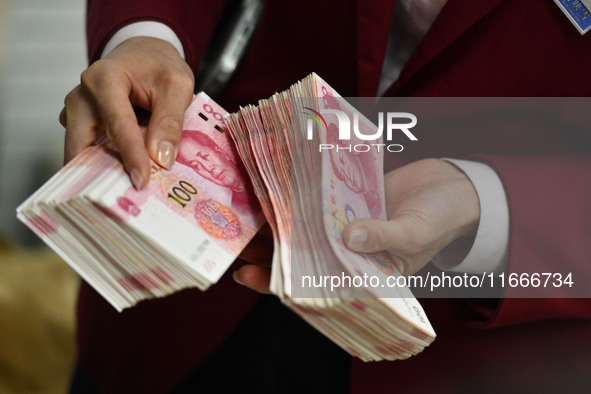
x=345, y=126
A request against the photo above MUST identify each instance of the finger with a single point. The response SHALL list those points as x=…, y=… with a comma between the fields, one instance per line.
x=62, y=117
x=254, y=277
x=111, y=92
x=168, y=109
x=266, y=231
x=258, y=251
x=81, y=122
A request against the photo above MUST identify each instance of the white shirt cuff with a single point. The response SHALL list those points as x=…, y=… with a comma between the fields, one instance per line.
x=489, y=250
x=145, y=29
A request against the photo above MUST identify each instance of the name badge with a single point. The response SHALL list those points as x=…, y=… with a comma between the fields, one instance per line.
x=577, y=11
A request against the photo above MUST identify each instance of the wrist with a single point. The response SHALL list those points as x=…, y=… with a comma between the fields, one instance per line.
x=487, y=250
x=467, y=196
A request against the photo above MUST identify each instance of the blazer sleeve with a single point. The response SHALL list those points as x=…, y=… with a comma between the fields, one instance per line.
x=193, y=21
x=550, y=225
x=546, y=172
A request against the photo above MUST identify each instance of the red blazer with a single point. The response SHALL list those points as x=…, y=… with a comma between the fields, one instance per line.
x=474, y=48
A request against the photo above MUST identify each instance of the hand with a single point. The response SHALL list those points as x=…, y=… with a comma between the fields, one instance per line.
x=430, y=205
x=259, y=252
x=140, y=72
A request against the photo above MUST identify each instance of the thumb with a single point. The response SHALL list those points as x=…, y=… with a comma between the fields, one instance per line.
x=370, y=236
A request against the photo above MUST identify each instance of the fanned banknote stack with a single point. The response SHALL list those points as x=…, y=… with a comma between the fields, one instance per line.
x=309, y=195
x=192, y=221
x=183, y=230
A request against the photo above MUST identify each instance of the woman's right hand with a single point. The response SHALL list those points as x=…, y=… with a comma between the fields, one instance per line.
x=140, y=72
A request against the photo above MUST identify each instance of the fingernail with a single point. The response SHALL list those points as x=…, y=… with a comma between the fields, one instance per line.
x=357, y=238
x=136, y=178
x=166, y=154
x=235, y=276
x=399, y=265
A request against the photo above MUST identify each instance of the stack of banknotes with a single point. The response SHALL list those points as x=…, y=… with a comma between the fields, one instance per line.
x=183, y=230
x=234, y=172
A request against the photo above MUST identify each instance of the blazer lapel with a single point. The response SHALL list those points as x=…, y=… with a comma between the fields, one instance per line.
x=373, y=24
x=455, y=18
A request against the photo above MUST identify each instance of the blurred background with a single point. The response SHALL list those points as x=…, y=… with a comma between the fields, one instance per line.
x=42, y=53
